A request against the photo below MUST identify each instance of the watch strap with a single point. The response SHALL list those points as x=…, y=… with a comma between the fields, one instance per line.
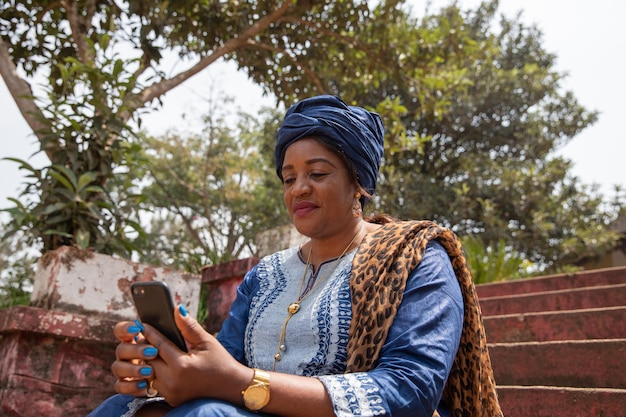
x=257, y=395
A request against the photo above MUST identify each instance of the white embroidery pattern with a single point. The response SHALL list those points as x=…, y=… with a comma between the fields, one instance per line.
x=137, y=403
x=354, y=395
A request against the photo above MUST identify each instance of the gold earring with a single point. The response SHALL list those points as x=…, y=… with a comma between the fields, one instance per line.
x=356, y=206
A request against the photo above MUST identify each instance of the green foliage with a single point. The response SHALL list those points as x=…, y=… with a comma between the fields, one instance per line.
x=102, y=64
x=492, y=263
x=17, y=270
x=70, y=210
x=80, y=120
x=70, y=205
x=208, y=194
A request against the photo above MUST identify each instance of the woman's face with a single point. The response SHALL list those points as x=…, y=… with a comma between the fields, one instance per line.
x=317, y=189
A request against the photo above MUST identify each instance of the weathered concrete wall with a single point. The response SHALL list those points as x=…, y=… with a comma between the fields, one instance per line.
x=74, y=280
x=221, y=282
x=56, y=355
x=278, y=239
x=53, y=363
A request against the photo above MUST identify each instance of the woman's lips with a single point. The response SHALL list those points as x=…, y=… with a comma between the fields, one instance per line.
x=303, y=208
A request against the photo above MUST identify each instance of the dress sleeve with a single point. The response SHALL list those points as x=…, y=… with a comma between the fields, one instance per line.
x=231, y=335
x=419, y=351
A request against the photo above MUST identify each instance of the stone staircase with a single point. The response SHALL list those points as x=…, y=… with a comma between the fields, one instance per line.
x=558, y=343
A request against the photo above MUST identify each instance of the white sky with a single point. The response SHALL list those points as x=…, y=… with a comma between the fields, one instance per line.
x=589, y=39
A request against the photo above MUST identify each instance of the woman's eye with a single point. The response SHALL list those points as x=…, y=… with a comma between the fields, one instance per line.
x=288, y=181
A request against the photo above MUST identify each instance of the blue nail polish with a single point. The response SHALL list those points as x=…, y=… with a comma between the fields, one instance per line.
x=142, y=385
x=138, y=323
x=150, y=351
x=146, y=371
x=134, y=329
x=182, y=310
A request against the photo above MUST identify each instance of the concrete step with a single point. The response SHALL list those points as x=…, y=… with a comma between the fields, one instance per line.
x=558, y=343
x=607, y=276
x=578, y=364
x=597, y=323
x=541, y=401
x=560, y=300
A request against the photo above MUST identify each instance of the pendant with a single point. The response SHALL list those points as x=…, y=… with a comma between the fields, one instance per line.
x=293, y=308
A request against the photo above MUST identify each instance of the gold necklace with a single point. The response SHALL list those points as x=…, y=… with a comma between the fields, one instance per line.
x=294, y=307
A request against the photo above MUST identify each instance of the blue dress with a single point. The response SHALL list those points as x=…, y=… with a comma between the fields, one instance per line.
x=414, y=363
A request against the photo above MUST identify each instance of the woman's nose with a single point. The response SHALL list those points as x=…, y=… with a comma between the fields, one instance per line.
x=300, y=186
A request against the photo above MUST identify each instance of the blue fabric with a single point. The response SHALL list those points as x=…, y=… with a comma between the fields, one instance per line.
x=358, y=133
x=114, y=406
x=415, y=359
x=122, y=406
x=204, y=407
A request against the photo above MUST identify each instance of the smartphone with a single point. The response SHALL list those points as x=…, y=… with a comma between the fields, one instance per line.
x=154, y=305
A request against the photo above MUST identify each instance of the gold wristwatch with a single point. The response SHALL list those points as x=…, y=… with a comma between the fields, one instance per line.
x=257, y=395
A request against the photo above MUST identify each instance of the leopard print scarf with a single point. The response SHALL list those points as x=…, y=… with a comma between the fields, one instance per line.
x=377, y=286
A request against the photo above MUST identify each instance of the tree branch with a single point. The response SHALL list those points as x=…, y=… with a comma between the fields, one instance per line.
x=316, y=27
x=78, y=33
x=192, y=231
x=311, y=74
x=22, y=94
x=158, y=89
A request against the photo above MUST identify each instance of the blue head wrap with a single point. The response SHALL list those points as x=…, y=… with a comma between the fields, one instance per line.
x=356, y=132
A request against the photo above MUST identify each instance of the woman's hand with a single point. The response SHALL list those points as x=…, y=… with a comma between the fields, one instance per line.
x=206, y=370
x=148, y=362
x=131, y=366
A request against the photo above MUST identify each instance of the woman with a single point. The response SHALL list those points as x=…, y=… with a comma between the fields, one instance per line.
x=364, y=319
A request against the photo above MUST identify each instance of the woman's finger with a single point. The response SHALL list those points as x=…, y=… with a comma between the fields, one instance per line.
x=129, y=371
x=135, y=352
x=167, y=350
x=193, y=333
x=138, y=388
x=128, y=331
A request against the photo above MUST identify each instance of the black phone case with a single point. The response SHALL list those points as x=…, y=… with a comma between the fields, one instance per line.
x=155, y=307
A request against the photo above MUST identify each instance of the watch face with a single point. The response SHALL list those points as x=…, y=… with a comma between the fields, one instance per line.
x=256, y=397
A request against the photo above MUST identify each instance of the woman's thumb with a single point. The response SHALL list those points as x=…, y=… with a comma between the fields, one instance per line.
x=192, y=331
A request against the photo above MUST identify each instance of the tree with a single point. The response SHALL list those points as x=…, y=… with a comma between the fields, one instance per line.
x=474, y=116
x=208, y=194
x=492, y=162
x=101, y=63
